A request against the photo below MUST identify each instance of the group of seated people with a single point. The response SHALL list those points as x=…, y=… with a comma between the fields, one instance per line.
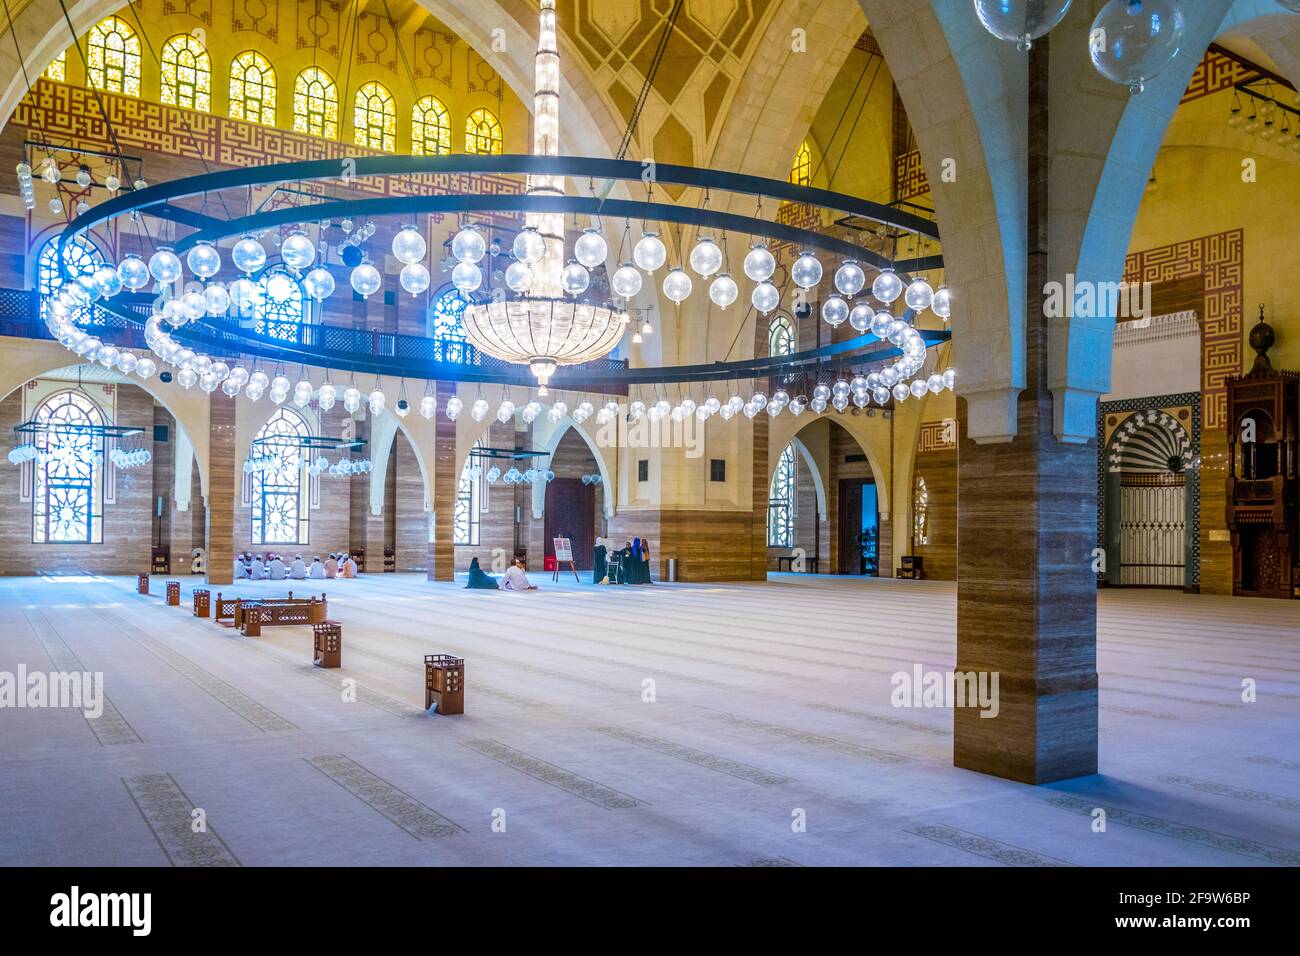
x=630, y=564
x=271, y=567
x=515, y=578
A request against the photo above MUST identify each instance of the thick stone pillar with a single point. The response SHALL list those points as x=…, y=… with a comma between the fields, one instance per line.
x=446, y=476
x=1026, y=594
x=220, y=511
x=761, y=491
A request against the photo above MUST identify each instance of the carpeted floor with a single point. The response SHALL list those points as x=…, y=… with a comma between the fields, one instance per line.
x=672, y=724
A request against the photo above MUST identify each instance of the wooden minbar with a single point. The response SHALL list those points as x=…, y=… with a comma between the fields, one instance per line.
x=444, y=683
x=173, y=594
x=1263, y=484
x=202, y=602
x=328, y=644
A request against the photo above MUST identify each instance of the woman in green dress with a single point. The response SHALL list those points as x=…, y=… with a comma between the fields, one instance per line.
x=600, y=563
x=480, y=579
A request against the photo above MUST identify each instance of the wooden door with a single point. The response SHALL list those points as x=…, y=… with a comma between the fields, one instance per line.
x=571, y=513
x=850, y=526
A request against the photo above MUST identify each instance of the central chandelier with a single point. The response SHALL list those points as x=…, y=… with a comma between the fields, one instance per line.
x=542, y=328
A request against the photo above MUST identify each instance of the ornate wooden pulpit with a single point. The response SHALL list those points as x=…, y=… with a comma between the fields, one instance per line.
x=1262, y=483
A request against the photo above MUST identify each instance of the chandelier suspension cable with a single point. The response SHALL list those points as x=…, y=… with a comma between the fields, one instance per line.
x=185, y=124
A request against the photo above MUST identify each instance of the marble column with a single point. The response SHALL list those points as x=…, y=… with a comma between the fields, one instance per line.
x=446, y=476
x=761, y=492
x=220, y=511
x=1026, y=516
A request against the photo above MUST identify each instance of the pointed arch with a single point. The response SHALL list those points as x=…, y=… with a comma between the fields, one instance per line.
x=113, y=57
x=186, y=74
x=316, y=104
x=252, y=89
x=374, y=118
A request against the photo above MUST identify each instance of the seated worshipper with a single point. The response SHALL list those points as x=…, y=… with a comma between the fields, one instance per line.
x=600, y=564
x=317, y=570
x=350, y=567
x=241, y=569
x=332, y=565
x=515, y=579
x=276, y=570
x=257, y=570
x=298, y=570
x=478, y=578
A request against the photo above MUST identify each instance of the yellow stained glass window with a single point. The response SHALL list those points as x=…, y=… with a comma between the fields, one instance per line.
x=430, y=128
x=58, y=68
x=315, y=104
x=801, y=171
x=252, y=89
x=375, y=119
x=186, y=74
x=483, y=133
x=113, y=57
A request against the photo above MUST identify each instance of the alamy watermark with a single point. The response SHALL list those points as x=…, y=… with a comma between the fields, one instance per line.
x=922, y=688
x=645, y=431
x=82, y=690
x=1091, y=300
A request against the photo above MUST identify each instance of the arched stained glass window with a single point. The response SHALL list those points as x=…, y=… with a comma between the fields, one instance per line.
x=282, y=309
x=483, y=133
x=82, y=256
x=58, y=68
x=801, y=169
x=780, y=502
x=445, y=327
x=113, y=57
x=374, y=121
x=68, y=491
x=430, y=128
x=280, y=493
x=780, y=335
x=471, y=495
x=315, y=104
x=252, y=89
x=186, y=74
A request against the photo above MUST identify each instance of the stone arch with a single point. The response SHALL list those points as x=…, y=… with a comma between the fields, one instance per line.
x=388, y=426
x=966, y=98
x=471, y=431
x=566, y=425
x=1110, y=140
x=786, y=428
x=22, y=360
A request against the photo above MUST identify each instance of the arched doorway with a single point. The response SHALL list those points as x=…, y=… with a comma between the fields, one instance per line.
x=823, y=502
x=1149, y=505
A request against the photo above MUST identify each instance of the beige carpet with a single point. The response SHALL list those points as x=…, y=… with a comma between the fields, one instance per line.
x=658, y=725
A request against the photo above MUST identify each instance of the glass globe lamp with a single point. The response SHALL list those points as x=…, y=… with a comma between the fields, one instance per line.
x=650, y=253
x=760, y=265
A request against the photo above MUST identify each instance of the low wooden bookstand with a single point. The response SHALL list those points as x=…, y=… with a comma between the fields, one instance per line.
x=444, y=683
x=327, y=644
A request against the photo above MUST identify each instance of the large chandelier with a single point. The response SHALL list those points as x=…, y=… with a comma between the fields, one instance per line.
x=542, y=328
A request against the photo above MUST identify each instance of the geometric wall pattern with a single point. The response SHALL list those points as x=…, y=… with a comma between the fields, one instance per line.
x=1220, y=259
x=60, y=112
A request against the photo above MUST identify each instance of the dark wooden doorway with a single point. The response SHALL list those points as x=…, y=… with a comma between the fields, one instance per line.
x=855, y=558
x=571, y=513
